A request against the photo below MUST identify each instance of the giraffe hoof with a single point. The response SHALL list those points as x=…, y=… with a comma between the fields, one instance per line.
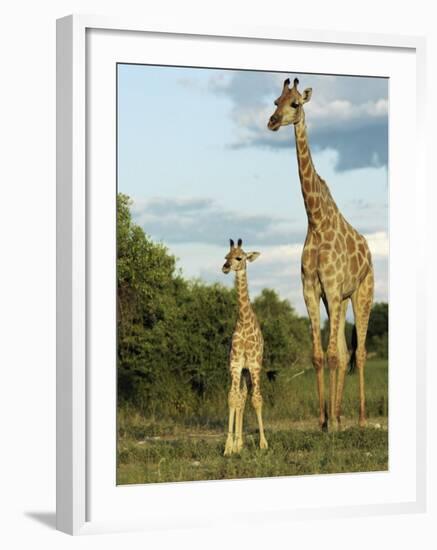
x=334, y=427
x=362, y=423
x=263, y=444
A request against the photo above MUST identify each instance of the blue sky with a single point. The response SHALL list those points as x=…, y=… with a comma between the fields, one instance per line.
x=201, y=167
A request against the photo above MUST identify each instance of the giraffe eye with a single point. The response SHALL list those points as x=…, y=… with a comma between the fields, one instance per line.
x=295, y=105
x=239, y=259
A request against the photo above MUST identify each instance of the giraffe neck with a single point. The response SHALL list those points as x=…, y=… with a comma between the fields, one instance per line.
x=311, y=184
x=244, y=307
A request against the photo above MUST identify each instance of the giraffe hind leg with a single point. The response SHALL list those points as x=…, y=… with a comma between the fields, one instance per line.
x=257, y=402
x=362, y=303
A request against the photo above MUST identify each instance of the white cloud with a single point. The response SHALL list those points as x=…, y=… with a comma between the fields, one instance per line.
x=202, y=220
x=341, y=111
x=378, y=244
x=349, y=114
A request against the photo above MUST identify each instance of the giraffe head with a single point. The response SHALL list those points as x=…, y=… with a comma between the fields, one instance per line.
x=289, y=108
x=236, y=258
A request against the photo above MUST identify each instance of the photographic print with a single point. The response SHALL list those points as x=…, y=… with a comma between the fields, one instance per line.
x=252, y=274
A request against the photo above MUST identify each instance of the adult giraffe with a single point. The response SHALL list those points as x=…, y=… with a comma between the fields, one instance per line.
x=336, y=264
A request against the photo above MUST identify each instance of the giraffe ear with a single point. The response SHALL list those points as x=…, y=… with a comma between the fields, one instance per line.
x=252, y=256
x=306, y=94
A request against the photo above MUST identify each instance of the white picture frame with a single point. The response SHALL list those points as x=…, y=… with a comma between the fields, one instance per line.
x=77, y=426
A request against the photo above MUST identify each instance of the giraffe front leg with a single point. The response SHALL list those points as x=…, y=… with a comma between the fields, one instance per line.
x=334, y=307
x=312, y=302
x=238, y=441
x=229, y=445
x=234, y=401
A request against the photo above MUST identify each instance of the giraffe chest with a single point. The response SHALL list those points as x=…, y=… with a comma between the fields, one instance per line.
x=247, y=338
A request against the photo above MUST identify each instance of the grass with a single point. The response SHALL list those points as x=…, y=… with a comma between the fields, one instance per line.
x=183, y=449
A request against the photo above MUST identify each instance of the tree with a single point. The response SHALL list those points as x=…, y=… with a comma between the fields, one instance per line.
x=378, y=321
x=348, y=328
x=202, y=334
x=146, y=285
x=286, y=335
x=145, y=271
x=377, y=332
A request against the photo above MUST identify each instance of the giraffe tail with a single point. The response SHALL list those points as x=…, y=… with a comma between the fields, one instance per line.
x=246, y=380
x=353, y=357
x=325, y=423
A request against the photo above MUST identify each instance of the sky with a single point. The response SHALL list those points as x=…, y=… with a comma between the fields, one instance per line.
x=201, y=167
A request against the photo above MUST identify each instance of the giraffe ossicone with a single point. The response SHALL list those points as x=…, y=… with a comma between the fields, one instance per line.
x=245, y=359
x=336, y=265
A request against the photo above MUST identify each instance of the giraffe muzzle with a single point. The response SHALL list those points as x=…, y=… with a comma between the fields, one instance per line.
x=274, y=123
x=226, y=268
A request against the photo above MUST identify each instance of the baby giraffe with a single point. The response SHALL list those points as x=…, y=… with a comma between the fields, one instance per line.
x=246, y=353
